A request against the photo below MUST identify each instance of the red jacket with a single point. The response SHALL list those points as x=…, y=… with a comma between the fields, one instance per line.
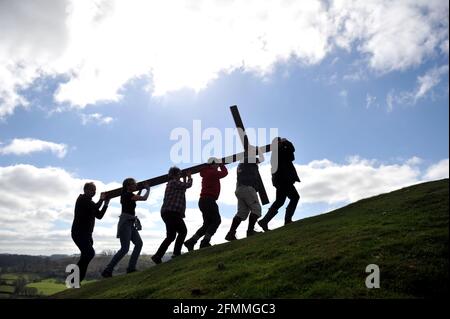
x=211, y=180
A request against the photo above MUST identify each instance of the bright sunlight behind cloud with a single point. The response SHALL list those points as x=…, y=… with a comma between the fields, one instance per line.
x=98, y=46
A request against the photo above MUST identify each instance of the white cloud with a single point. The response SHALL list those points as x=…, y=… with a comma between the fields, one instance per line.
x=355, y=76
x=431, y=78
x=438, y=170
x=370, y=101
x=444, y=47
x=425, y=85
x=414, y=161
x=394, y=34
x=34, y=200
x=344, y=96
x=36, y=206
x=32, y=35
x=343, y=93
x=99, y=46
x=344, y=183
x=390, y=98
x=24, y=146
x=96, y=118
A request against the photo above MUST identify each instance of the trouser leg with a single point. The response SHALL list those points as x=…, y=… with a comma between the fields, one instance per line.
x=273, y=210
x=181, y=235
x=213, y=219
x=137, y=241
x=252, y=221
x=170, y=235
x=87, y=252
x=203, y=206
x=125, y=237
x=294, y=197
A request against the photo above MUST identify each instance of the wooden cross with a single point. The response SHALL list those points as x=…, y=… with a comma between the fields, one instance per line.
x=197, y=168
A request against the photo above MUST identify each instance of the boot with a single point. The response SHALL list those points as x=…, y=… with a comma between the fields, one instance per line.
x=265, y=221
x=189, y=244
x=263, y=224
x=251, y=225
x=288, y=216
x=252, y=232
x=204, y=244
x=156, y=259
x=234, y=225
x=106, y=273
x=231, y=236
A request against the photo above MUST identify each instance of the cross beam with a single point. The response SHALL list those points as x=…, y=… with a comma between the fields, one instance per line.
x=194, y=169
x=244, y=139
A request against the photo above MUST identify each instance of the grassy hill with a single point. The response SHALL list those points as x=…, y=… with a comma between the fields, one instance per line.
x=404, y=232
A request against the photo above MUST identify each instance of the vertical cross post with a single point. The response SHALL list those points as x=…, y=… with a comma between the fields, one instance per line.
x=244, y=139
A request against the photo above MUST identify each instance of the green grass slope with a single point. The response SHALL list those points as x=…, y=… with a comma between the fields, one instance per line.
x=404, y=232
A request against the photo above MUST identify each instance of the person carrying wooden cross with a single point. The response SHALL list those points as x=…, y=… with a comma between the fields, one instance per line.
x=284, y=176
x=86, y=211
x=128, y=227
x=246, y=193
x=211, y=175
x=173, y=212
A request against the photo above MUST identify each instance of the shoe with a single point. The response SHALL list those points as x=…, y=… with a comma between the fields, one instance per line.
x=230, y=237
x=287, y=222
x=252, y=232
x=129, y=271
x=106, y=273
x=175, y=255
x=156, y=260
x=263, y=225
x=189, y=244
x=204, y=244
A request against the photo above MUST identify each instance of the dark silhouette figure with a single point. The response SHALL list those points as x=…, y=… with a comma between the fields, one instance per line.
x=86, y=211
x=128, y=227
x=284, y=176
x=173, y=212
x=207, y=203
x=246, y=193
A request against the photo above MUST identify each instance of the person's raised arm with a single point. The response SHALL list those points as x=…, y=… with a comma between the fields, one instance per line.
x=261, y=157
x=139, y=197
x=100, y=201
x=223, y=171
x=96, y=209
x=186, y=183
x=189, y=179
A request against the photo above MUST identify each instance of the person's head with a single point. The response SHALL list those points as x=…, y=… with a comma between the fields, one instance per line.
x=276, y=140
x=129, y=184
x=89, y=189
x=213, y=162
x=174, y=173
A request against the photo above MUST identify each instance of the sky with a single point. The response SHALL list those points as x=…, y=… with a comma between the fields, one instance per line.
x=100, y=91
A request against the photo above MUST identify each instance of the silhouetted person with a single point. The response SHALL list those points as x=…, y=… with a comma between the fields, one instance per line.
x=86, y=211
x=173, y=212
x=128, y=227
x=284, y=176
x=211, y=176
x=246, y=192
